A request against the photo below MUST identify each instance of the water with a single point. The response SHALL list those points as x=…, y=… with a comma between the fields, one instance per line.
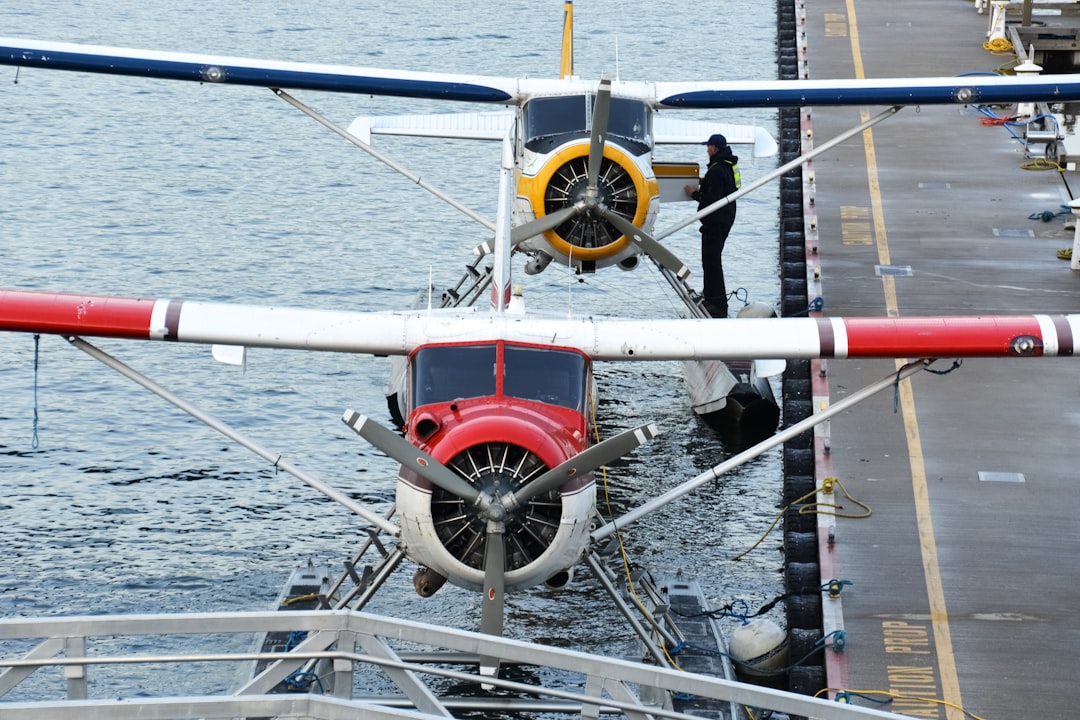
x=158, y=189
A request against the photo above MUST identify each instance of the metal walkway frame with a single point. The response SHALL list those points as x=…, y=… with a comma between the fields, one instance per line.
x=408, y=654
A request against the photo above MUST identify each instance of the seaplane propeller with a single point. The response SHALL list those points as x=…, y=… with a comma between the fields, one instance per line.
x=584, y=192
x=590, y=201
x=495, y=494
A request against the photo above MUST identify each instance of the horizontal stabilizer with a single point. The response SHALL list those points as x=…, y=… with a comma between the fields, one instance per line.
x=675, y=131
x=464, y=126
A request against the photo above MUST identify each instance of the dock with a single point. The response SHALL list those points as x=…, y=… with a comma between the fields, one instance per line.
x=959, y=589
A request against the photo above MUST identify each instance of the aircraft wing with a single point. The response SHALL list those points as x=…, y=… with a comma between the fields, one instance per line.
x=965, y=89
x=961, y=89
x=676, y=131
x=466, y=126
x=261, y=73
x=601, y=339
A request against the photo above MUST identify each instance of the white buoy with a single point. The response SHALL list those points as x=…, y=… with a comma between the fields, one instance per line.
x=756, y=309
x=759, y=647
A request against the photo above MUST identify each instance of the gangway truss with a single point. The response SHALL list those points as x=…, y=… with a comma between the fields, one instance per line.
x=351, y=647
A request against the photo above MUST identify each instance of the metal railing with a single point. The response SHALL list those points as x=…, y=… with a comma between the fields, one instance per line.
x=413, y=656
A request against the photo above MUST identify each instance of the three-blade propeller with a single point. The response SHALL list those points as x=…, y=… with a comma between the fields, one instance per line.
x=591, y=200
x=495, y=508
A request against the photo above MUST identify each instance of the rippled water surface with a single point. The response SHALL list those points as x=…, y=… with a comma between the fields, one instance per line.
x=158, y=189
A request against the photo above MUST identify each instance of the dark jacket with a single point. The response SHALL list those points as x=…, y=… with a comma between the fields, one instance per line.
x=721, y=179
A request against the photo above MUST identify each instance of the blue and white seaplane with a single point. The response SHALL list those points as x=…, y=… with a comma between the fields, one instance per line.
x=587, y=185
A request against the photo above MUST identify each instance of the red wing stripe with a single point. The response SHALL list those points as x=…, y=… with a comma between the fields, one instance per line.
x=66, y=314
x=945, y=337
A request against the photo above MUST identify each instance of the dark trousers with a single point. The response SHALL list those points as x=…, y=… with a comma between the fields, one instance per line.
x=713, y=238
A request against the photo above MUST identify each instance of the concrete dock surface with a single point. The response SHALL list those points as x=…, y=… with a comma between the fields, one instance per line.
x=964, y=578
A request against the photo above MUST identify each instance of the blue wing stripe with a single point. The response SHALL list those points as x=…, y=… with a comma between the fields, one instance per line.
x=1044, y=89
x=293, y=77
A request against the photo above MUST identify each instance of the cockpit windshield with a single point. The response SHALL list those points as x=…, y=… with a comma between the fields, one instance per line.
x=555, y=377
x=442, y=374
x=551, y=121
x=458, y=372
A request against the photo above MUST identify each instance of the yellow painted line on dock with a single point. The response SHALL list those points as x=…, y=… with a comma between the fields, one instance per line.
x=939, y=617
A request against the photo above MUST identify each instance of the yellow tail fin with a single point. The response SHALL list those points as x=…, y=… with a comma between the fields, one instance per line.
x=566, y=68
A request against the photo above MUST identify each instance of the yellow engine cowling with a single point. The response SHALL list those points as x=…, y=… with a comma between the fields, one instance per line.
x=627, y=186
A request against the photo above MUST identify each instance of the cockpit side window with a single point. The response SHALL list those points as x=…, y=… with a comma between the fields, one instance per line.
x=555, y=377
x=551, y=121
x=442, y=374
x=629, y=122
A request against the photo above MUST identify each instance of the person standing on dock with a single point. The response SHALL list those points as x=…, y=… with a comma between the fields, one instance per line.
x=721, y=179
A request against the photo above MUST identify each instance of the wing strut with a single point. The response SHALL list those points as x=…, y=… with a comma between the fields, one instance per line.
x=334, y=127
x=750, y=453
x=234, y=435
